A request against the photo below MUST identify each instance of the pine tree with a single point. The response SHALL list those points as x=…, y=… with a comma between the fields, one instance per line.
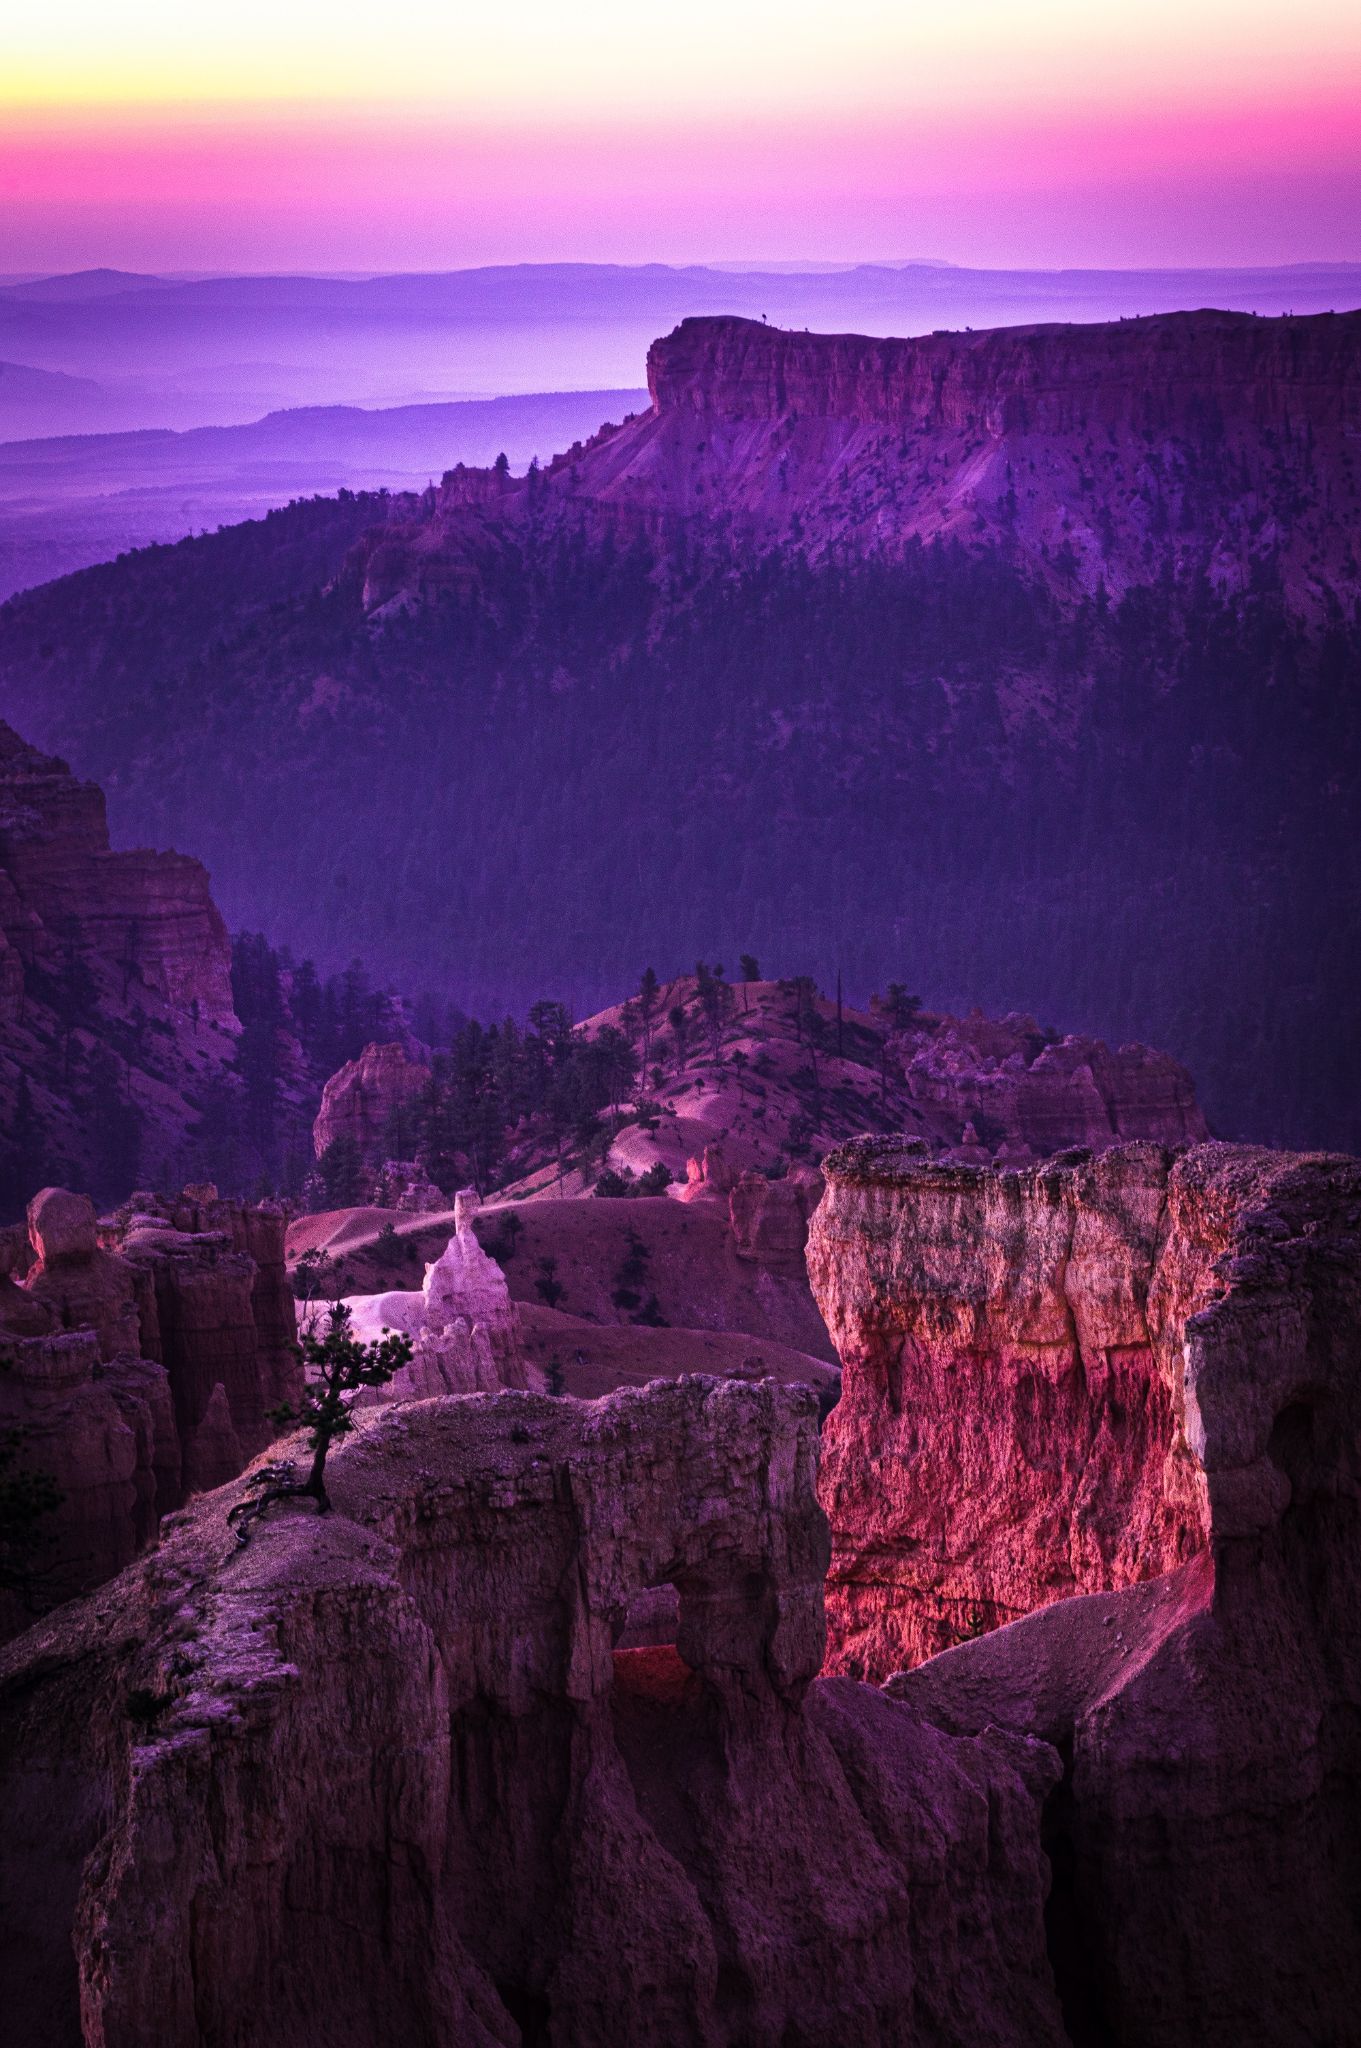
x=338, y=1366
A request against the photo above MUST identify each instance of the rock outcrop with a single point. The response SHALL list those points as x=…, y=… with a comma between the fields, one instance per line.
x=1206, y=1838
x=1027, y=1094
x=407, y=1720
x=142, y=1367
x=115, y=973
x=769, y=1218
x=146, y=918
x=364, y=1099
x=1097, y=455
x=462, y=1320
x=1012, y=1426
x=217, y=1312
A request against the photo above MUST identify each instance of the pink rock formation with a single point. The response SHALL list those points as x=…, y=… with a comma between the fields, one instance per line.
x=463, y=1322
x=142, y=1371
x=142, y=917
x=1207, y=1834
x=217, y=1308
x=1014, y=1421
x=359, y=1100
x=709, y=1177
x=769, y=1218
x=1038, y=1098
x=406, y=1718
x=83, y=1286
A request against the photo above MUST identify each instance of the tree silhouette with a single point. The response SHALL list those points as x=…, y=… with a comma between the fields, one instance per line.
x=339, y=1366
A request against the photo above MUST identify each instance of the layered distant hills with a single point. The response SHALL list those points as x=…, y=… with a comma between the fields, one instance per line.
x=186, y=352
x=1018, y=666
x=73, y=499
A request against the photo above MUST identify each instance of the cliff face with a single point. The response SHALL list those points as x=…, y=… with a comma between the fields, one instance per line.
x=1205, y=1835
x=1155, y=375
x=1024, y=1415
x=1013, y=1423
x=142, y=1368
x=361, y=1099
x=115, y=981
x=409, y=1716
x=1101, y=455
x=143, y=920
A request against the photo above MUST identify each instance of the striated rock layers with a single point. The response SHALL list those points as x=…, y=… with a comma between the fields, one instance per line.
x=380, y=1776
x=1025, y=1093
x=367, y=1100
x=1098, y=456
x=1019, y=1410
x=146, y=918
x=143, y=1367
x=1206, y=1838
x=115, y=976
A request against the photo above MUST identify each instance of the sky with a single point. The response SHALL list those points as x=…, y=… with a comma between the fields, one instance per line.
x=319, y=134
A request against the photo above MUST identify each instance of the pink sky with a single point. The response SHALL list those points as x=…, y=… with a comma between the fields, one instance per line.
x=1042, y=134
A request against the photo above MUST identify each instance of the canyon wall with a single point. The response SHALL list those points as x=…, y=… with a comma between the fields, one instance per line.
x=456, y=1723
x=115, y=986
x=139, y=1368
x=405, y=1722
x=1013, y=1425
x=1205, y=1838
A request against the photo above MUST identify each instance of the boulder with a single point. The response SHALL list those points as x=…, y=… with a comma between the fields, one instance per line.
x=61, y=1228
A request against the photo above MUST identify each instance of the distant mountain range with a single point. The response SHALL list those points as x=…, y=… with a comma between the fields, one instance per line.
x=223, y=350
x=71, y=500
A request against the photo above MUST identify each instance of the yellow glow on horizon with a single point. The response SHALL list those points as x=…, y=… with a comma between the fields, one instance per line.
x=603, y=61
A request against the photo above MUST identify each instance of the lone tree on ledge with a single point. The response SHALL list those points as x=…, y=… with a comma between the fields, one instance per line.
x=337, y=1365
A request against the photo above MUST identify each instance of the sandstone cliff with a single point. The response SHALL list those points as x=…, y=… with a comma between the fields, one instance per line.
x=1098, y=455
x=1023, y=1414
x=1205, y=1838
x=365, y=1098
x=140, y=1368
x=408, y=1718
x=115, y=977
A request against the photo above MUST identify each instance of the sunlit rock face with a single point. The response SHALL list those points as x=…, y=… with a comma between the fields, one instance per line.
x=1206, y=1837
x=1013, y=1425
x=407, y=1719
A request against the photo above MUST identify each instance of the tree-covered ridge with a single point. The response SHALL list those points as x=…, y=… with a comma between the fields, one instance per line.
x=593, y=748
